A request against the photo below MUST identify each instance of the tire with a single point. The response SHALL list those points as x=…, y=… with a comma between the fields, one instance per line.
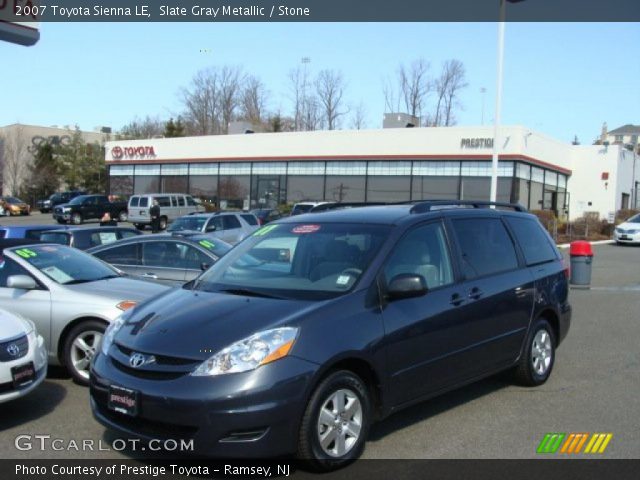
x=140, y=226
x=80, y=346
x=76, y=219
x=536, y=363
x=123, y=216
x=342, y=387
x=163, y=223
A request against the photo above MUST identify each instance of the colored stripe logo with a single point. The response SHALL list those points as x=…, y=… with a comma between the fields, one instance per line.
x=573, y=443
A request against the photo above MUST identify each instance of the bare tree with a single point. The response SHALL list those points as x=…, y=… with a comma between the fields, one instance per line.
x=415, y=86
x=139, y=128
x=312, y=115
x=358, y=119
x=254, y=99
x=299, y=83
x=456, y=81
x=230, y=87
x=330, y=87
x=391, y=98
x=16, y=159
x=447, y=86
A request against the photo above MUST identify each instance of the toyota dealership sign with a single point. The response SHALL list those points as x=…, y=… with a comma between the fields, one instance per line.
x=19, y=21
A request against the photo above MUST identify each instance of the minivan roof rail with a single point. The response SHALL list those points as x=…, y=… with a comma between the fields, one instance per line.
x=429, y=205
x=338, y=205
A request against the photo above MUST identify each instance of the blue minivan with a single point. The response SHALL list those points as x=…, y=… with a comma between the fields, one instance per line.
x=318, y=325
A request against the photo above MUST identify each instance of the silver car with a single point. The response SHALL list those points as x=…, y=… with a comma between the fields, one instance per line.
x=230, y=227
x=70, y=296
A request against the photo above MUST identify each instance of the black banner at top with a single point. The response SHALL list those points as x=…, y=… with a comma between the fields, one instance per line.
x=319, y=10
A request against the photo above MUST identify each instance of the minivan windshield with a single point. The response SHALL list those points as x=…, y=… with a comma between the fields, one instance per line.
x=634, y=219
x=308, y=261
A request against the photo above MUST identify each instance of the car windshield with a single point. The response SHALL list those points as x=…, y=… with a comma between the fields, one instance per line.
x=187, y=223
x=55, y=237
x=297, y=261
x=13, y=200
x=65, y=265
x=301, y=208
x=634, y=219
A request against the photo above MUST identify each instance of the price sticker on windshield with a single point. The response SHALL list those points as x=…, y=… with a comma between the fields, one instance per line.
x=306, y=229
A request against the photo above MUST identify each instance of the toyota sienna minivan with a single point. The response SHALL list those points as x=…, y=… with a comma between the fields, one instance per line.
x=316, y=326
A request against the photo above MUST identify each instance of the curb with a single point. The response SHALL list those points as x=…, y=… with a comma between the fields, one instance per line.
x=599, y=242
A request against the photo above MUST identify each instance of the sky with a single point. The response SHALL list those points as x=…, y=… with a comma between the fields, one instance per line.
x=562, y=79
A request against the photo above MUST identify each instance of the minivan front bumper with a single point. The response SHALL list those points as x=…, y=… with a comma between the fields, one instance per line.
x=251, y=415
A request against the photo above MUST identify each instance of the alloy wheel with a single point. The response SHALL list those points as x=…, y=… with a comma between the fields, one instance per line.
x=339, y=422
x=541, y=352
x=83, y=349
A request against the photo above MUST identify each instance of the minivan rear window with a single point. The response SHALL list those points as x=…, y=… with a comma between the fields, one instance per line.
x=134, y=201
x=535, y=243
x=144, y=202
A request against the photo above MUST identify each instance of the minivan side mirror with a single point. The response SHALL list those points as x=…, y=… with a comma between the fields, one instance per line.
x=22, y=282
x=407, y=285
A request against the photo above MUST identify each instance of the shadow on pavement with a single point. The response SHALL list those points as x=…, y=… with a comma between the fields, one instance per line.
x=36, y=404
x=430, y=408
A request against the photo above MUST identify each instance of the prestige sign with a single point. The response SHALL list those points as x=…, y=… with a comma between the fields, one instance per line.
x=118, y=152
x=476, y=143
x=19, y=21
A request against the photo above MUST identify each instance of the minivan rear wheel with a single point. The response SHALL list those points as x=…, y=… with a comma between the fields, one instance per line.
x=336, y=422
x=536, y=363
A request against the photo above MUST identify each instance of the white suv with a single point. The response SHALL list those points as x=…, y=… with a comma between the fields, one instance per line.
x=230, y=227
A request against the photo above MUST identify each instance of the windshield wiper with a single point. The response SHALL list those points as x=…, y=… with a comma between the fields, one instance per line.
x=248, y=293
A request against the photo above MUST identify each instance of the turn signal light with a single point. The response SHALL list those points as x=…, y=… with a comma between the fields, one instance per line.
x=126, y=304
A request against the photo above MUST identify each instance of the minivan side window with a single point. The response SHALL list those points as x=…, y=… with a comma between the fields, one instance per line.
x=250, y=218
x=191, y=202
x=231, y=222
x=181, y=201
x=423, y=251
x=533, y=240
x=486, y=247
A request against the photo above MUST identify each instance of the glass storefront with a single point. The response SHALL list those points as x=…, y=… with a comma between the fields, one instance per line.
x=243, y=185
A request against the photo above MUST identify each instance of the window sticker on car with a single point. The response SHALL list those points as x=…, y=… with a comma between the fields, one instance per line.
x=207, y=244
x=343, y=280
x=305, y=229
x=264, y=230
x=56, y=274
x=26, y=253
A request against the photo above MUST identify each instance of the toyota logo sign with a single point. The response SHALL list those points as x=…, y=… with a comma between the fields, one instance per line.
x=13, y=350
x=117, y=152
x=137, y=360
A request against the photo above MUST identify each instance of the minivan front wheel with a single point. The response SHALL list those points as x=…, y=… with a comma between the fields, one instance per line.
x=535, y=365
x=336, y=421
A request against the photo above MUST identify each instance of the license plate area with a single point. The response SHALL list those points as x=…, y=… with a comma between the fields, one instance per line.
x=123, y=400
x=23, y=375
x=624, y=237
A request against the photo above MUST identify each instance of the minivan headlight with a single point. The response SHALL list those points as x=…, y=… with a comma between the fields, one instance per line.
x=249, y=353
x=112, y=329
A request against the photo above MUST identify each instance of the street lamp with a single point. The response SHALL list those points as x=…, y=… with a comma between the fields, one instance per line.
x=496, y=124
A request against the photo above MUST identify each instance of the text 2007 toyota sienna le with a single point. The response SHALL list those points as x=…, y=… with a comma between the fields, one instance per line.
x=316, y=326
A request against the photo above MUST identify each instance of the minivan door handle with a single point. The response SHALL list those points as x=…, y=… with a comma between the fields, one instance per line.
x=457, y=299
x=475, y=293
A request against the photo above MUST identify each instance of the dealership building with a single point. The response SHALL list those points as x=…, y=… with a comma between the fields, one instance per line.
x=386, y=165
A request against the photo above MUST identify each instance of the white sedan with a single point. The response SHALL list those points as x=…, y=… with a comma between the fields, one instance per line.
x=23, y=357
x=629, y=231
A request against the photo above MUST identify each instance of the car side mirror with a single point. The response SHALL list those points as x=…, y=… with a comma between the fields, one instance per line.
x=204, y=266
x=22, y=282
x=407, y=285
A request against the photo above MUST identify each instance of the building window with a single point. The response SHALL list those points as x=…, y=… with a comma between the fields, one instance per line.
x=147, y=179
x=304, y=187
x=618, y=139
x=537, y=175
x=347, y=168
x=243, y=168
x=306, y=168
x=345, y=188
x=389, y=168
x=203, y=169
x=435, y=188
x=388, y=188
x=523, y=171
x=270, y=168
x=436, y=168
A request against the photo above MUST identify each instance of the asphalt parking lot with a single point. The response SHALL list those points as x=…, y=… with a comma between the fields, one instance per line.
x=593, y=388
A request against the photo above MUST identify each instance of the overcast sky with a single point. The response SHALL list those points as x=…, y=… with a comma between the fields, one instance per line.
x=561, y=79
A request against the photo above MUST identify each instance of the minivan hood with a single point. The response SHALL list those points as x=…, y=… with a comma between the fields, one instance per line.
x=196, y=324
x=119, y=289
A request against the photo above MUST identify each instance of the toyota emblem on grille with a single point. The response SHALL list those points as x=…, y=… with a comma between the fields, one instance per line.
x=13, y=350
x=137, y=360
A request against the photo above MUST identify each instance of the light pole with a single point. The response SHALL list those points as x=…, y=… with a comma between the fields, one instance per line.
x=496, y=124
